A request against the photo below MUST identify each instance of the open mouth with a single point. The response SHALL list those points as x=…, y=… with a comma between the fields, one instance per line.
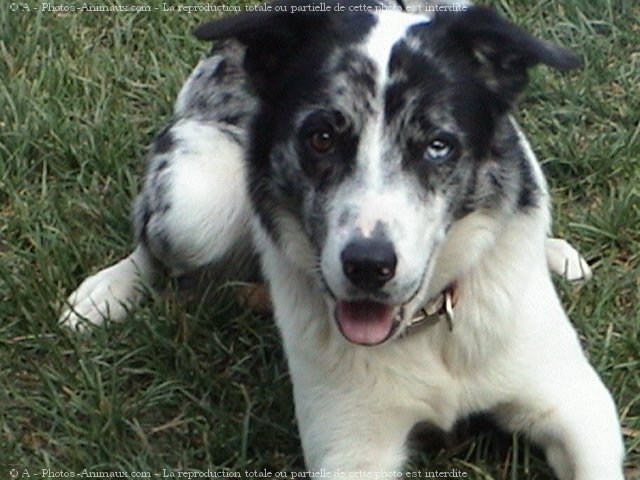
x=370, y=322
x=367, y=322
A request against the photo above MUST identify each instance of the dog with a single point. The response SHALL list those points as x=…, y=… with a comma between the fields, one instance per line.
x=371, y=160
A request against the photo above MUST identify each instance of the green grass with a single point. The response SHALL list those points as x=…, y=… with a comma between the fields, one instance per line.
x=199, y=383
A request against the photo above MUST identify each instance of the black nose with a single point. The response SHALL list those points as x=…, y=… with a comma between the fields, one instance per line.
x=369, y=263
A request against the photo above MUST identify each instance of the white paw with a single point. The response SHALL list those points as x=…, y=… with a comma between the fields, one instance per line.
x=109, y=294
x=566, y=261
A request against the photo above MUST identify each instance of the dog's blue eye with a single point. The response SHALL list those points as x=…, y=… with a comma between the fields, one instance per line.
x=438, y=150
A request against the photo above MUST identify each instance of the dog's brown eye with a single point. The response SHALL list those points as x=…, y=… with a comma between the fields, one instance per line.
x=321, y=141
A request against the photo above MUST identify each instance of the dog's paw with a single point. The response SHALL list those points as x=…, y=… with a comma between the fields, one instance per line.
x=109, y=294
x=566, y=261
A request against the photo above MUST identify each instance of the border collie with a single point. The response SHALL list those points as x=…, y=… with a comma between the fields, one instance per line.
x=371, y=160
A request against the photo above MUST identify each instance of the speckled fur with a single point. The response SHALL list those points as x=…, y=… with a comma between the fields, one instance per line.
x=231, y=170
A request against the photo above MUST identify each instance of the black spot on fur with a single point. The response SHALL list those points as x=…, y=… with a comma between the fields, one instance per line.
x=141, y=217
x=395, y=99
x=508, y=150
x=360, y=71
x=219, y=71
x=232, y=119
x=428, y=438
x=225, y=98
x=161, y=165
x=162, y=244
x=495, y=181
x=203, y=104
x=164, y=141
x=529, y=190
x=345, y=217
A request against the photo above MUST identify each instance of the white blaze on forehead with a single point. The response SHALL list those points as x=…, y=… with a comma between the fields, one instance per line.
x=375, y=197
x=391, y=27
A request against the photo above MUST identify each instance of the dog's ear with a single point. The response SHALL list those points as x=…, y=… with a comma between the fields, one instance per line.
x=272, y=37
x=502, y=51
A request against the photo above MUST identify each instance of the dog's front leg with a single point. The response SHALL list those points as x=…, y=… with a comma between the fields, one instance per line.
x=193, y=211
x=568, y=411
x=350, y=420
x=343, y=433
x=111, y=292
x=581, y=437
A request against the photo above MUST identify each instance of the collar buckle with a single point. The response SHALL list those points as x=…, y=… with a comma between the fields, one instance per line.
x=435, y=309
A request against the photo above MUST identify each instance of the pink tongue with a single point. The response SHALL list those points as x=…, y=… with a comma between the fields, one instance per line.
x=365, y=323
